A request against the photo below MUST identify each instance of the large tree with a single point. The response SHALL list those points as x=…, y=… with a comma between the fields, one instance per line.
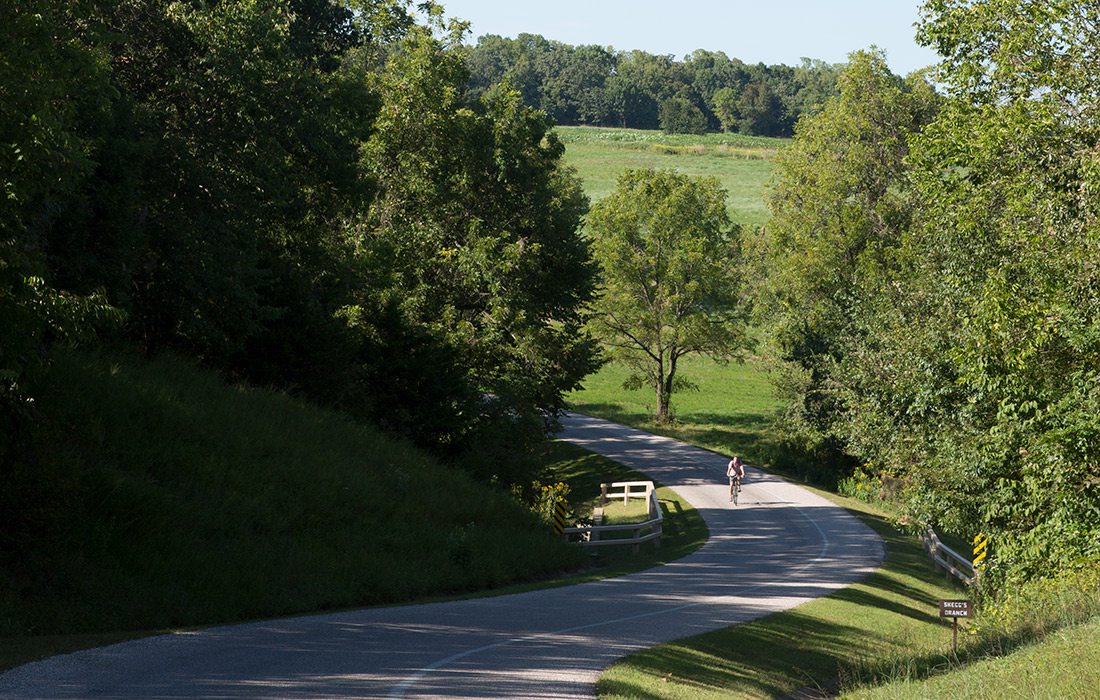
x=298, y=192
x=470, y=252
x=669, y=258
x=938, y=284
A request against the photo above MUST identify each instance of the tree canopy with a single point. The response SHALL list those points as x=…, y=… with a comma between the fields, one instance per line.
x=935, y=285
x=838, y=210
x=600, y=86
x=301, y=193
x=669, y=288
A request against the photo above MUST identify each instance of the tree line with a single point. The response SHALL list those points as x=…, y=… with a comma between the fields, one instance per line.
x=299, y=193
x=707, y=91
x=930, y=274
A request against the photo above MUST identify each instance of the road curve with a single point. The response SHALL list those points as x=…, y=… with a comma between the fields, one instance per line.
x=780, y=547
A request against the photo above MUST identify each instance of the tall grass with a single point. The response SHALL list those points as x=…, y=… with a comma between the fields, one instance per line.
x=578, y=134
x=172, y=500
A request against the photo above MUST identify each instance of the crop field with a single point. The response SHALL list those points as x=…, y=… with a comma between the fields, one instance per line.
x=743, y=164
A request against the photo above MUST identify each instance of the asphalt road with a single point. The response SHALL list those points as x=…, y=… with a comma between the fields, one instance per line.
x=781, y=546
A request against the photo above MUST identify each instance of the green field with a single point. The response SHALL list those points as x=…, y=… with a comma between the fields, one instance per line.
x=742, y=164
x=734, y=410
x=731, y=413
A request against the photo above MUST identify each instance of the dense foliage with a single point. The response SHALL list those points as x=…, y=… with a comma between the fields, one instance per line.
x=838, y=213
x=669, y=287
x=604, y=87
x=952, y=333
x=297, y=192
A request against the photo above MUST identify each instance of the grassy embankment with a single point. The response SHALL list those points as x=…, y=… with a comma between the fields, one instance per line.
x=880, y=638
x=160, y=498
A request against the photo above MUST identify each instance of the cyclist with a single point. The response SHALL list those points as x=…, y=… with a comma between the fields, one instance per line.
x=735, y=470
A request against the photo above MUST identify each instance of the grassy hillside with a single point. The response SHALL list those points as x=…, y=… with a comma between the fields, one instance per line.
x=162, y=498
x=1066, y=666
x=741, y=163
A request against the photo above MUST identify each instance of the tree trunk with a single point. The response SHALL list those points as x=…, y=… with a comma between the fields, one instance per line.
x=662, y=391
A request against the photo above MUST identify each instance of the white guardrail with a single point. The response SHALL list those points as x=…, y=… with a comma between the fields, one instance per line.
x=650, y=530
x=956, y=564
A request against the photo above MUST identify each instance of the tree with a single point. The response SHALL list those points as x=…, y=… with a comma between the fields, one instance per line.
x=635, y=90
x=725, y=105
x=814, y=82
x=838, y=210
x=941, y=273
x=298, y=192
x=470, y=252
x=668, y=255
x=54, y=96
x=989, y=337
x=760, y=111
x=679, y=115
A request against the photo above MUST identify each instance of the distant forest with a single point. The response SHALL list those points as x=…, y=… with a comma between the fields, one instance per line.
x=599, y=86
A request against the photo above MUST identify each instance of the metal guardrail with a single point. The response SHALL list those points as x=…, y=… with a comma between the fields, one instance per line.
x=956, y=564
x=593, y=535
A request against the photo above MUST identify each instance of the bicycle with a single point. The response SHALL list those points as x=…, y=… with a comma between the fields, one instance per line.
x=735, y=490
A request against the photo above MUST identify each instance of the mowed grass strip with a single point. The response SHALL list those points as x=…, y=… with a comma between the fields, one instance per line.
x=1065, y=665
x=742, y=164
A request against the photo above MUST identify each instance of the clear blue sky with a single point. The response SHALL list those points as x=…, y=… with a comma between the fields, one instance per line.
x=771, y=31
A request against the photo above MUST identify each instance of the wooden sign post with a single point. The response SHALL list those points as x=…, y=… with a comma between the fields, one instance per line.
x=955, y=609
